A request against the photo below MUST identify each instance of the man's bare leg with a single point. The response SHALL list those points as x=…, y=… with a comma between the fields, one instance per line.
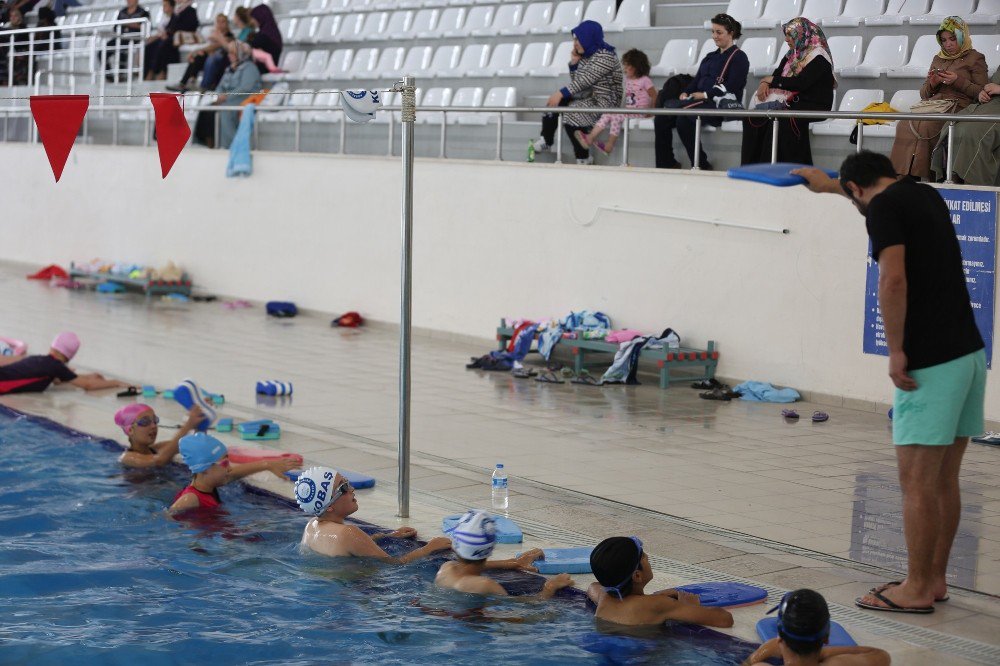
x=949, y=512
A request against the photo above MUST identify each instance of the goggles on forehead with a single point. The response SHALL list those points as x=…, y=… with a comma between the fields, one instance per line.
x=617, y=589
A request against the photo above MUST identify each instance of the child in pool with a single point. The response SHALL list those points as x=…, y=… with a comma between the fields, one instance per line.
x=804, y=630
x=473, y=539
x=640, y=93
x=622, y=571
x=139, y=423
x=209, y=461
x=34, y=374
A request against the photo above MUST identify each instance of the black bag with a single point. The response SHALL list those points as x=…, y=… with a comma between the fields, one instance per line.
x=672, y=89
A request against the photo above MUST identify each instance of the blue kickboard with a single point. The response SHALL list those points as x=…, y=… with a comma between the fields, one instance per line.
x=357, y=480
x=772, y=174
x=248, y=430
x=726, y=594
x=507, y=529
x=564, y=560
x=767, y=629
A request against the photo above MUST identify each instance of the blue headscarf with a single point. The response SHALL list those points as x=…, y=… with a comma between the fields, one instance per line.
x=590, y=34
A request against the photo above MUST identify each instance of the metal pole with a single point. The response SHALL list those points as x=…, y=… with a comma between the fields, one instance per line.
x=298, y=131
x=625, y=142
x=500, y=137
x=951, y=154
x=392, y=132
x=559, y=133
x=774, y=141
x=343, y=132
x=861, y=135
x=696, y=160
x=409, y=114
x=444, y=132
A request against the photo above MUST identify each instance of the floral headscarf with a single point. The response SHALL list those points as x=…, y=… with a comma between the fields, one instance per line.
x=960, y=29
x=808, y=41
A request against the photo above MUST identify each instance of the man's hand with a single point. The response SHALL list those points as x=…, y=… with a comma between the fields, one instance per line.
x=818, y=181
x=404, y=533
x=554, y=99
x=768, y=650
x=897, y=372
x=524, y=560
x=688, y=598
x=558, y=582
x=439, y=543
x=281, y=465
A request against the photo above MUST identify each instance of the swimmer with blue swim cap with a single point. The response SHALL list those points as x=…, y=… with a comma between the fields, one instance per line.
x=473, y=539
x=804, y=631
x=208, y=460
x=622, y=569
x=329, y=498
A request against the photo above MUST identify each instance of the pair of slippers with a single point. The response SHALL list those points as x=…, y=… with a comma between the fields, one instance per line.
x=817, y=417
x=892, y=607
x=709, y=384
x=722, y=393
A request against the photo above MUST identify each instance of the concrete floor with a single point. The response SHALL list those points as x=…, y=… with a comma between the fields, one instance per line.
x=725, y=491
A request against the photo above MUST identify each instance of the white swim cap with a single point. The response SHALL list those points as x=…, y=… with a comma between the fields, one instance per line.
x=474, y=536
x=314, y=490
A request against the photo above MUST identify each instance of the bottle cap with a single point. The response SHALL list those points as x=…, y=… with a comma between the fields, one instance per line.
x=499, y=465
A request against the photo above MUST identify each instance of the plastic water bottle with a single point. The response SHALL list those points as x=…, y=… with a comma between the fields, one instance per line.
x=500, y=497
x=531, y=151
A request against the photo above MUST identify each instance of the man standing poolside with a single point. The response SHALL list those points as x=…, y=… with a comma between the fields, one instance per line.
x=936, y=361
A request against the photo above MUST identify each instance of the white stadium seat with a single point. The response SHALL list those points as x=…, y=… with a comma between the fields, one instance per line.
x=631, y=14
x=602, y=11
x=535, y=56
x=884, y=53
x=390, y=60
x=415, y=63
x=475, y=56
x=424, y=21
x=989, y=46
x=363, y=64
x=775, y=13
x=477, y=18
x=923, y=53
x=505, y=96
x=337, y=65
x=451, y=21
x=901, y=101
x=325, y=98
x=987, y=13
x=707, y=47
x=314, y=66
x=565, y=16
x=373, y=26
x=506, y=16
x=468, y=98
x=397, y=26
x=559, y=65
x=504, y=56
x=941, y=9
x=898, y=11
x=536, y=15
x=350, y=28
x=305, y=30
x=762, y=53
x=677, y=56
x=312, y=8
x=433, y=97
x=291, y=62
x=853, y=100
x=327, y=28
x=817, y=10
x=205, y=9
x=286, y=26
x=303, y=97
x=742, y=10
x=854, y=14
x=846, y=51
x=445, y=60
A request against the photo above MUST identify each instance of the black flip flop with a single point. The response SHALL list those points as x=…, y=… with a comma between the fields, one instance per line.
x=708, y=384
x=586, y=379
x=129, y=392
x=891, y=606
x=716, y=394
x=549, y=378
x=885, y=586
x=523, y=373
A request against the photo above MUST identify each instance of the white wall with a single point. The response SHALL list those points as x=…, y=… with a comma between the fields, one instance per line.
x=491, y=240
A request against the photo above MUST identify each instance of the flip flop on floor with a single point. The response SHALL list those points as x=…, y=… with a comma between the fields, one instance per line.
x=586, y=379
x=891, y=606
x=549, y=377
x=716, y=394
x=820, y=417
x=523, y=373
x=885, y=586
x=790, y=414
x=708, y=384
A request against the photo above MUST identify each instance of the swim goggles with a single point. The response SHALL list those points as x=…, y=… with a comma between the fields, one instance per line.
x=147, y=421
x=617, y=589
x=805, y=638
x=340, y=490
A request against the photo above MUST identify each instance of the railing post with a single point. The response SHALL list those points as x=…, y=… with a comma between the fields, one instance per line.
x=500, y=136
x=774, y=141
x=625, y=140
x=444, y=133
x=343, y=132
x=31, y=57
x=696, y=160
x=559, y=133
x=861, y=135
x=949, y=160
x=10, y=62
x=408, y=117
x=216, y=122
x=298, y=130
x=392, y=132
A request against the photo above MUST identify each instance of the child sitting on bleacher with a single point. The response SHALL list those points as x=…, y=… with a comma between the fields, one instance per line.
x=640, y=93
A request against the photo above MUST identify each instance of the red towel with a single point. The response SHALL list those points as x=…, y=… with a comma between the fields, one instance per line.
x=48, y=273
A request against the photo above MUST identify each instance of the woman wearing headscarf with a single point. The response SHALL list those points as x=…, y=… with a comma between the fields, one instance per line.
x=266, y=36
x=240, y=80
x=804, y=77
x=596, y=80
x=977, y=145
x=957, y=73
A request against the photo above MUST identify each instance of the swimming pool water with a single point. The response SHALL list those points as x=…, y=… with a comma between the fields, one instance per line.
x=92, y=571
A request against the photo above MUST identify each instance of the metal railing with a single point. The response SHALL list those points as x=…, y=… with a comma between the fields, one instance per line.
x=65, y=43
x=502, y=113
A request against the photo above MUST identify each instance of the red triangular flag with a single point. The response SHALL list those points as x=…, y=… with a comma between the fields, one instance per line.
x=58, y=118
x=172, y=131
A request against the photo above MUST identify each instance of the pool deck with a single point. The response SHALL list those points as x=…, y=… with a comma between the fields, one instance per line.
x=721, y=491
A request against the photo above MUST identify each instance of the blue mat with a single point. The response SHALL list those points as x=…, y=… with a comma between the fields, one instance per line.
x=564, y=560
x=726, y=595
x=772, y=174
x=507, y=529
x=358, y=481
x=768, y=629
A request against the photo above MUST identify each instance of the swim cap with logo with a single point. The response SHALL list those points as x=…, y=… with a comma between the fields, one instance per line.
x=314, y=490
x=474, y=536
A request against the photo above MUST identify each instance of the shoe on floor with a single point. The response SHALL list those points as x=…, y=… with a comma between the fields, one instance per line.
x=541, y=146
x=586, y=160
x=673, y=165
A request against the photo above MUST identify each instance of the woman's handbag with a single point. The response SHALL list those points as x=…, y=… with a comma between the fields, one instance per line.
x=777, y=100
x=931, y=106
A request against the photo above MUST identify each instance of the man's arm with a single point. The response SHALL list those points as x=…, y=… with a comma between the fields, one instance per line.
x=892, y=302
x=854, y=656
x=521, y=562
x=818, y=181
x=95, y=382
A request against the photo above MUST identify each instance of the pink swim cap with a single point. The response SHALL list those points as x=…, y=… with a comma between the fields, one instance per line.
x=67, y=344
x=126, y=416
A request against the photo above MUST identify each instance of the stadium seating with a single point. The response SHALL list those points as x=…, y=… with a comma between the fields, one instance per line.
x=852, y=100
x=775, y=13
x=923, y=53
x=854, y=14
x=885, y=52
x=678, y=55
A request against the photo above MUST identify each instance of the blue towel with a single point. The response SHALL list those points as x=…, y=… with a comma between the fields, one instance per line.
x=240, y=159
x=764, y=392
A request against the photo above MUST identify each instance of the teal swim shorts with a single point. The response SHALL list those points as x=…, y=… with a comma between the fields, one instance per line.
x=947, y=403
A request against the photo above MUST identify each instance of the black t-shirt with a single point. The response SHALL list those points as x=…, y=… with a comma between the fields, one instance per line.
x=33, y=374
x=939, y=325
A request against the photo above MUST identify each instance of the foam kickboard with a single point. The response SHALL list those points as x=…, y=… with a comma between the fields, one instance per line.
x=357, y=480
x=564, y=560
x=772, y=174
x=507, y=529
x=725, y=594
x=767, y=629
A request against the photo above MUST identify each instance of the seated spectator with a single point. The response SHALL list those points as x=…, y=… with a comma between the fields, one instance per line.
x=266, y=38
x=127, y=32
x=595, y=81
x=34, y=374
x=48, y=40
x=804, y=630
x=977, y=145
x=802, y=81
x=957, y=73
x=622, y=571
x=18, y=62
x=139, y=423
x=161, y=49
x=722, y=73
x=640, y=93
x=216, y=43
x=239, y=80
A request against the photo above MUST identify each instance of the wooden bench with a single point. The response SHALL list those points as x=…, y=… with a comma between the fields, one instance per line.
x=667, y=359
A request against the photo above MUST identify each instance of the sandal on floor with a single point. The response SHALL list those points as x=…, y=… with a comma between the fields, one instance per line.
x=891, y=606
x=820, y=417
x=586, y=379
x=523, y=373
x=885, y=586
x=549, y=378
x=790, y=414
x=708, y=384
x=130, y=391
x=716, y=394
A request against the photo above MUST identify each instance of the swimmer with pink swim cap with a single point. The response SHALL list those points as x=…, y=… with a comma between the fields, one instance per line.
x=139, y=423
x=34, y=374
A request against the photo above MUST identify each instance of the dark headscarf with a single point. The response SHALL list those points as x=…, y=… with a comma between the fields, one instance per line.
x=590, y=34
x=268, y=26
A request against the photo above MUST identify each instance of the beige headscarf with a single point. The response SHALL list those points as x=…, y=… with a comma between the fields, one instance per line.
x=960, y=29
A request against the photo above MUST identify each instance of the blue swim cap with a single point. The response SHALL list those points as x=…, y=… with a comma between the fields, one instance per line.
x=200, y=451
